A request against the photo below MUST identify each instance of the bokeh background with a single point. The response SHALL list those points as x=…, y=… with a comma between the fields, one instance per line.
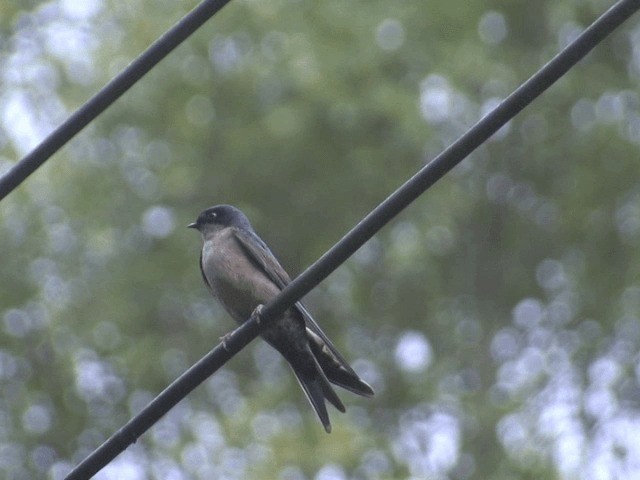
x=497, y=318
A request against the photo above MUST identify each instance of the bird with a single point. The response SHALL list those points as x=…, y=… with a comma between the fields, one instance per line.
x=243, y=274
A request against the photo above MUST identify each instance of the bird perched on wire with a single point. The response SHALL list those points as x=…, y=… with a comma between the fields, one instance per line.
x=242, y=273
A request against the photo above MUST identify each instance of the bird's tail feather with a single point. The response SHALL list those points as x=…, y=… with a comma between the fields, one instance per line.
x=349, y=381
x=338, y=373
x=317, y=388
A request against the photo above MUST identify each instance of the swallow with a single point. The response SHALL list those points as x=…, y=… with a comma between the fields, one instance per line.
x=243, y=274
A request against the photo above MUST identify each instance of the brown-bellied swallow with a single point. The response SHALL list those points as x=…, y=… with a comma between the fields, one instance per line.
x=242, y=273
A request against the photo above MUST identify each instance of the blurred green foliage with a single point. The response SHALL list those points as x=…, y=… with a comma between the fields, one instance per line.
x=497, y=317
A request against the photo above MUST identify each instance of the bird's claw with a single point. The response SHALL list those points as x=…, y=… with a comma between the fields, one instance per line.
x=224, y=339
x=257, y=313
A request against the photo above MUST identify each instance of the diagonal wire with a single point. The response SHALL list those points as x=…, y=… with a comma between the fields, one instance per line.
x=362, y=232
x=109, y=94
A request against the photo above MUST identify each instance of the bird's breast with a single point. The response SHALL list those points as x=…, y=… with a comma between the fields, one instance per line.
x=235, y=280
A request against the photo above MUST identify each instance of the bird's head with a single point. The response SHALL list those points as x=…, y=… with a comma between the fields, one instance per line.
x=219, y=217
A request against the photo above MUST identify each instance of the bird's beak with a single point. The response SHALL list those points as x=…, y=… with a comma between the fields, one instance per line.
x=193, y=225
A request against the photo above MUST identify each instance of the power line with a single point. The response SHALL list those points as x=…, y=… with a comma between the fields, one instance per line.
x=454, y=154
x=362, y=232
x=109, y=94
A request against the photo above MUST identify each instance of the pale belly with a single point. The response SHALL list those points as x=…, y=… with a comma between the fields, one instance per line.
x=235, y=281
x=240, y=286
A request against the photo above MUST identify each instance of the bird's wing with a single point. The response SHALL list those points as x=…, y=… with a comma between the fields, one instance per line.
x=315, y=328
x=258, y=251
x=204, y=277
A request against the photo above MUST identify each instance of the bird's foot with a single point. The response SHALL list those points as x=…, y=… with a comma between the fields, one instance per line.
x=258, y=313
x=224, y=339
